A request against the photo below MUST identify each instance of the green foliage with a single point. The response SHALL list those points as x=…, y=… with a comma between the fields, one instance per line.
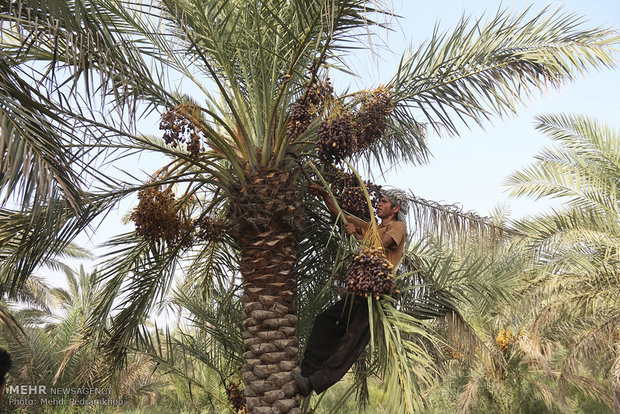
x=249, y=62
x=552, y=349
x=51, y=351
x=575, y=293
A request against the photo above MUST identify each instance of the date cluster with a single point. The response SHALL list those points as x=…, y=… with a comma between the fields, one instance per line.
x=370, y=274
x=181, y=126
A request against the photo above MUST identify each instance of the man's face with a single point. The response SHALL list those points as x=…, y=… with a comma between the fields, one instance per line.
x=385, y=208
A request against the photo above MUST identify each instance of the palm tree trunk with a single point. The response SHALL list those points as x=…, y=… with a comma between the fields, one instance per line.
x=269, y=213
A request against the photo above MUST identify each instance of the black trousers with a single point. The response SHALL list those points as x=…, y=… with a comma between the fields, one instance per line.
x=338, y=338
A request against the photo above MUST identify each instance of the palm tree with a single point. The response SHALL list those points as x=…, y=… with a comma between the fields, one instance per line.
x=575, y=296
x=240, y=149
x=489, y=361
x=464, y=288
x=49, y=351
x=568, y=308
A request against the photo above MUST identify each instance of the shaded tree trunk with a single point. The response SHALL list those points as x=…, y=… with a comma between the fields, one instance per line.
x=269, y=213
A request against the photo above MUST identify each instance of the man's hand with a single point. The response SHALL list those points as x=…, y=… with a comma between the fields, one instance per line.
x=350, y=228
x=317, y=190
x=356, y=223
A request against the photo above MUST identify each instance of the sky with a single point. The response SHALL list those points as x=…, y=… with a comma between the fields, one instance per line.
x=468, y=170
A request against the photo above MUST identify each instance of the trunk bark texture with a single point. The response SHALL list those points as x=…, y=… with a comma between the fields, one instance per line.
x=270, y=212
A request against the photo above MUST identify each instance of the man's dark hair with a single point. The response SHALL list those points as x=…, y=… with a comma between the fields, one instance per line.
x=5, y=364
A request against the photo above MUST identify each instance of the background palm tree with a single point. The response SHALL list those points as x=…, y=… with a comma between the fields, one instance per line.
x=234, y=150
x=574, y=298
x=514, y=322
x=50, y=349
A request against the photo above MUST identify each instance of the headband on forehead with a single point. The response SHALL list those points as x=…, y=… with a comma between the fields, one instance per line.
x=397, y=198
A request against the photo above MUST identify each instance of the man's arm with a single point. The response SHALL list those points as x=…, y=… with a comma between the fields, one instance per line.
x=333, y=209
x=351, y=229
x=387, y=241
x=394, y=235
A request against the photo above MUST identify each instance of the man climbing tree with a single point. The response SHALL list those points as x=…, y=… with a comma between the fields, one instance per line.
x=341, y=333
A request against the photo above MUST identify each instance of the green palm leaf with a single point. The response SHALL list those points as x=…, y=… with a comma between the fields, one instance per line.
x=487, y=66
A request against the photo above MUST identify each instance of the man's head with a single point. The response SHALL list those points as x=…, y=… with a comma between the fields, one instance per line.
x=392, y=202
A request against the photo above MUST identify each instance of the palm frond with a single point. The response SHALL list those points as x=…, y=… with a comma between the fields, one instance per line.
x=78, y=42
x=34, y=163
x=470, y=346
x=488, y=66
x=589, y=387
x=452, y=225
x=593, y=341
x=469, y=395
x=584, y=168
x=12, y=326
x=139, y=271
x=402, y=357
x=221, y=346
x=28, y=240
